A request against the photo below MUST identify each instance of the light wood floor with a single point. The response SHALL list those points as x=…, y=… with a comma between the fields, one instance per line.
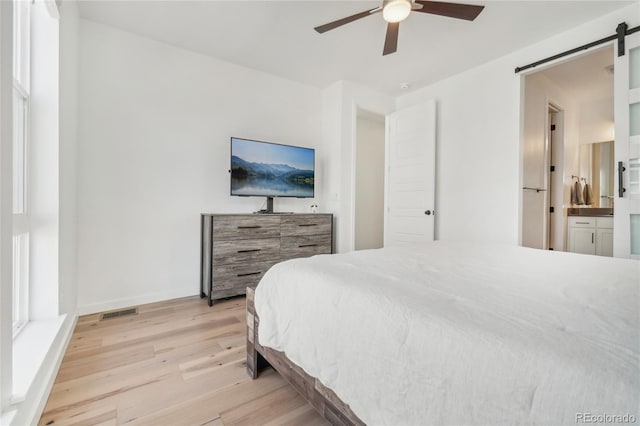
x=175, y=363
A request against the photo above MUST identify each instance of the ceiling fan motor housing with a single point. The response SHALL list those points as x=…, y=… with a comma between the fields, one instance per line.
x=396, y=10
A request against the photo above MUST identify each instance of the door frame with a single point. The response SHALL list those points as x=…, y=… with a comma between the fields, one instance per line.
x=555, y=187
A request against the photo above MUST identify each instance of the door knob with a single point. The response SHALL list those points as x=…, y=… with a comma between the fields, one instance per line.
x=428, y=212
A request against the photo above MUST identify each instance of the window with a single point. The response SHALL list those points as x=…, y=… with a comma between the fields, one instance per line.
x=21, y=221
x=20, y=100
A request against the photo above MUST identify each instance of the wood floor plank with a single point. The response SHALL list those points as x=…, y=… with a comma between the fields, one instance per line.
x=265, y=409
x=81, y=344
x=211, y=362
x=193, y=410
x=76, y=368
x=76, y=394
x=303, y=415
x=165, y=328
x=89, y=416
x=187, y=338
x=176, y=363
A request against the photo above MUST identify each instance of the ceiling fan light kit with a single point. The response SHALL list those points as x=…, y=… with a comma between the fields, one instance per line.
x=395, y=11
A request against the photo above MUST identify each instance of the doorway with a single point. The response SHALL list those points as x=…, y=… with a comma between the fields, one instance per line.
x=369, y=180
x=568, y=108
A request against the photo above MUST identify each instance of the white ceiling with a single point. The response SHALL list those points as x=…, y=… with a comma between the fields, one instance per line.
x=277, y=37
x=587, y=77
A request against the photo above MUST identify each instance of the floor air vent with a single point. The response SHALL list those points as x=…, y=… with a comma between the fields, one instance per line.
x=118, y=314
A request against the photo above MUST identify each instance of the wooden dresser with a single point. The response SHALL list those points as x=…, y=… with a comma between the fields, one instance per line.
x=237, y=249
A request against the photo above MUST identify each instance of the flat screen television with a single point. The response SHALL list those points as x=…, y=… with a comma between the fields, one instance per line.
x=271, y=170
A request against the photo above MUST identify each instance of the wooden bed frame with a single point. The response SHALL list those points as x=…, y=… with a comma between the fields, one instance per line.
x=323, y=399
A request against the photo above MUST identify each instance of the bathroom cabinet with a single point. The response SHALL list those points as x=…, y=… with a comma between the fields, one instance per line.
x=590, y=235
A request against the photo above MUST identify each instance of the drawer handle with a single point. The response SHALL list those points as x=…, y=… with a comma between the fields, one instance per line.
x=249, y=227
x=583, y=223
x=248, y=251
x=307, y=245
x=308, y=224
x=250, y=273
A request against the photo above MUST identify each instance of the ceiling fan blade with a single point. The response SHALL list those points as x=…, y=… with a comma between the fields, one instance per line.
x=340, y=22
x=391, y=40
x=452, y=10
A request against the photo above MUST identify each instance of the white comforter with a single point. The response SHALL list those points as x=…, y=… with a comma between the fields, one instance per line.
x=462, y=334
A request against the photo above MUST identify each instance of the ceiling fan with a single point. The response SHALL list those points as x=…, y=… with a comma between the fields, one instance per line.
x=395, y=11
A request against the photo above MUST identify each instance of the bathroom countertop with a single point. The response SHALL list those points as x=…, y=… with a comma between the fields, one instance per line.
x=590, y=211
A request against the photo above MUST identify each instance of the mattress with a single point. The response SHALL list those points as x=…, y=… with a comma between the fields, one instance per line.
x=462, y=334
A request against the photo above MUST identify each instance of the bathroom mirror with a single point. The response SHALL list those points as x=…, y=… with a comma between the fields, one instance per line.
x=596, y=166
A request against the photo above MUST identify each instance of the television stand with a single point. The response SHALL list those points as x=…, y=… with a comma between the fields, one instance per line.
x=269, y=208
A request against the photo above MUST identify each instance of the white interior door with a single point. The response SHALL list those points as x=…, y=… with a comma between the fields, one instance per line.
x=626, y=207
x=410, y=177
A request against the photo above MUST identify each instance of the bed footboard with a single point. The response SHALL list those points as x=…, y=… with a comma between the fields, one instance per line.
x=323, y=399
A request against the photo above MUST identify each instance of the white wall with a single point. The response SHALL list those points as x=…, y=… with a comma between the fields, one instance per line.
x=67, y=244
x=479, y=135
x=153, y=153
x=331, y=140
x=596, y=120
x=369, y=189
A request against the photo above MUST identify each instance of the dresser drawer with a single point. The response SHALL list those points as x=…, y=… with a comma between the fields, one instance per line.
x=239, y=276
x=305, y=245
x=582, y=222
x=305, y=224
x=245, y=251
x=245, y=227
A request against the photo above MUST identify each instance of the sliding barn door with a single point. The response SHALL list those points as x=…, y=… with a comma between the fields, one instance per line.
x=410, y=177
x=626, y=205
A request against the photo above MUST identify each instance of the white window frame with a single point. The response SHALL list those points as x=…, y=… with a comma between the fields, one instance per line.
x=20, y=282
x=21, y=172
x=22, y=43
x=20, y=153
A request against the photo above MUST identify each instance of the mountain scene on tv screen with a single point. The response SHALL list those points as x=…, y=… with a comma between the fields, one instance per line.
x=249, y=178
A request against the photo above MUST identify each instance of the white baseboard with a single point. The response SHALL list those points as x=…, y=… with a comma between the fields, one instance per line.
x=125, y=302
x=29, y=411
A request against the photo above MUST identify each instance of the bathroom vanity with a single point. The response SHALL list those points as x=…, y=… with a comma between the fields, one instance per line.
x=590, y=231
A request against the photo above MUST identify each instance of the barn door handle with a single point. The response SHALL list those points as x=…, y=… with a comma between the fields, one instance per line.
x=621, y=189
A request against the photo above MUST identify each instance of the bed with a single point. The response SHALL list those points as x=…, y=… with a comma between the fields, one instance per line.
x=453, y=333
